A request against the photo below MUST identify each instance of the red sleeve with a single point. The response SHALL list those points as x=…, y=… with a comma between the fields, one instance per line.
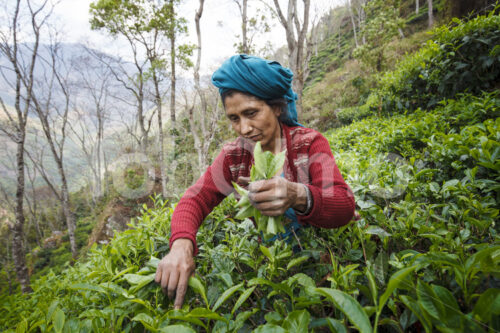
x=199, y=200
x=333, y=200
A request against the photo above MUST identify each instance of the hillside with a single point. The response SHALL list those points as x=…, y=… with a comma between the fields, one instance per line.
x=420, y=149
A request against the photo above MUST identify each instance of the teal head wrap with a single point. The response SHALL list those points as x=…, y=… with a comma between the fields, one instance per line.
x=262, y=78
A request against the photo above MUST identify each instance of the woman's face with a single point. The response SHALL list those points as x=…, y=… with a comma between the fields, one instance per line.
x=253, y=119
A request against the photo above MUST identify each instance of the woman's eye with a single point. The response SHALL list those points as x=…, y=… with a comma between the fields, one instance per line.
x=252, y=113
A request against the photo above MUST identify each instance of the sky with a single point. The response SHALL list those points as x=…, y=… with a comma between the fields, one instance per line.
x=220, y=24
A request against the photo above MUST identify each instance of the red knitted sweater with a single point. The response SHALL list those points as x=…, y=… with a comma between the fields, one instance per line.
x=309, y=161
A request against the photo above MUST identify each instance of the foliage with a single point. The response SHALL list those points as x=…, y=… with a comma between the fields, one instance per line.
x=266, y=166
x=424, y=256
x=461, y=57
x=382, y=23
x=425, y=252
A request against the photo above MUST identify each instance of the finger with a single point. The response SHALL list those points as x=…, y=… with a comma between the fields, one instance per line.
x=181, y=290
x=260, y=185
x=164, y=280
x=243, y=180
x=267, y=196
x=172, y=284
x=158, y=274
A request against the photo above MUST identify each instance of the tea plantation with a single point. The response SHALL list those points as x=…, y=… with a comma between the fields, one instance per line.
x=423, y=159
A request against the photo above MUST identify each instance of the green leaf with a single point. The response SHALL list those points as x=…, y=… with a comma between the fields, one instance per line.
x=180, y=315
x=22, y=326
x=136, y=279
x=143, y=303
x=336, y=326
x=276, y=164
x=380, y=267
x=269, y=328
x=296, y=261
x=275, y=286
x=266, y=252
x=415, y=308
x=153, y=262
x=145, y=320
x=372, y=285
x=59, y=319
x=394, y=282
x=243, y=297
x=349, y=306
x=86, y=286
x=50, y=311
x=428, y=300
x=297, y=321
x=374, y=230
x=241, y=318
x=34, y=326
x=240, y=190
x=244, y=212
x=488, y=305
x=451, y=312
x=228, y=293
x=198, y=288
x=205, y=313
x=177, y=329
x=243, y=202
x=260, y=161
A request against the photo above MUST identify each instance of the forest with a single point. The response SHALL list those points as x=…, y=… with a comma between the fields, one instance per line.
x=100, y=141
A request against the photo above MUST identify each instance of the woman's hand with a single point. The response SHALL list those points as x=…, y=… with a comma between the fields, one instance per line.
x=174, y=270
x=274, y=196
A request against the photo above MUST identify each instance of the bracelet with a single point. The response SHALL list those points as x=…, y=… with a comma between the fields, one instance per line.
x=308, y=202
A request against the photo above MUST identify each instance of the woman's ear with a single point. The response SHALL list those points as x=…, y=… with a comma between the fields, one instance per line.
x=277, y=111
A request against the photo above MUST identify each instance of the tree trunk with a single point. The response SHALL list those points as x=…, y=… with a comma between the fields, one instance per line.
x=243, y=7
x=430, y=13
x=70, y=218
x=172, y=66
x=197, y=141
x=244, y=21
x=353, y=24
x=417, y=6
x=100, y=135
x=158, y=100
x=18, y=254
x=140, y=116
x=296, y=52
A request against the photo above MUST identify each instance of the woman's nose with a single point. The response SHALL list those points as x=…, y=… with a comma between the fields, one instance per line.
x=246, y=127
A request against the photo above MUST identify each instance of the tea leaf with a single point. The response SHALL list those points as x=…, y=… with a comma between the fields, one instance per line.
x=349, y=306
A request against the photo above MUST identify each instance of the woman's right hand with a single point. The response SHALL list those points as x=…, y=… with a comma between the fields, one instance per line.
x=175, y=269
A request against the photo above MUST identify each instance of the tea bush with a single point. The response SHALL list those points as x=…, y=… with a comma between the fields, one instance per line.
x=425, y=255
x=461, y=57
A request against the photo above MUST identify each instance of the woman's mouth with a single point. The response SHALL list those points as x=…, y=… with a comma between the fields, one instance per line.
x=255, y=137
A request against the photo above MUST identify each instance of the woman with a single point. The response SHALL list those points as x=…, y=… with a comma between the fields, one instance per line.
x=260, y=104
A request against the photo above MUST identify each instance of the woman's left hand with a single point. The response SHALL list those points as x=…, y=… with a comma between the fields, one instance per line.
x=274, y=196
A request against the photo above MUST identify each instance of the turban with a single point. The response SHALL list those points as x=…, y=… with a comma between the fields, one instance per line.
x=262, y=78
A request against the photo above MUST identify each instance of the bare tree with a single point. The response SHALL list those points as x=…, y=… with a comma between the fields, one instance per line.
x=6, y=226
x=88, y=130
x=349, y=4
x=133, y=78
x=23, y=68
x=296, y=36
x=430, y=13
x=53, y=116
x=32, y=204
x=203, y=122
x=243, y=7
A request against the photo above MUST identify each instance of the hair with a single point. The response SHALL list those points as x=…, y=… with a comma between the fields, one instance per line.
x=280, y=103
